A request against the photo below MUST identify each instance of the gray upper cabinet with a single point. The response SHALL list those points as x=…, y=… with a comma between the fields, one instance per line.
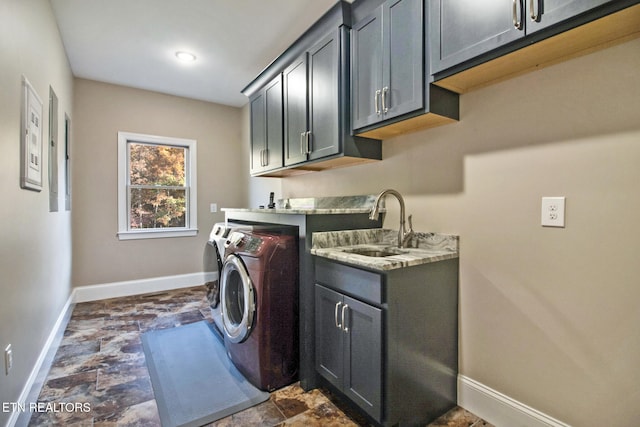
x=311, y=96
x=266, y=127
x=460, y=30
x=463, y=29
x=543, y=13
x=387, y=68
x=316, y=126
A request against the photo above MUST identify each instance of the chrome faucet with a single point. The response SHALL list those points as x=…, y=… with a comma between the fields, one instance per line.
x=403, y=235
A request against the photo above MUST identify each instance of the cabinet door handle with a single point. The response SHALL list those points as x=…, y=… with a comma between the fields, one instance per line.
x=385, y=89
x=302, y=143
x=265, y=153
x=517, y=14
x=376, y=101
x=535, y=14
x=308, y=141
x=345, y=328
x=335, y=315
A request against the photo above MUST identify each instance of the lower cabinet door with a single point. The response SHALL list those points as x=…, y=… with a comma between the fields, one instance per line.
x=363, y=355
x=329, y=335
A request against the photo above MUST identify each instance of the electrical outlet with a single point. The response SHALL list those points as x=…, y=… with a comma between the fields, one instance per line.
x=213, y=207
x=552, y=212
x=8, y=359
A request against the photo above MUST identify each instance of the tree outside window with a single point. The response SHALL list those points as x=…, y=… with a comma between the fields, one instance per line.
x=157, y=189
x=157, y=192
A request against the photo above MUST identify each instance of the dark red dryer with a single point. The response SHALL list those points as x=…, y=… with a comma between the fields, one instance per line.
x=259, y=296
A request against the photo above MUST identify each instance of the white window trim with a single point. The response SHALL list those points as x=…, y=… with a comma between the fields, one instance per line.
x=124, y=233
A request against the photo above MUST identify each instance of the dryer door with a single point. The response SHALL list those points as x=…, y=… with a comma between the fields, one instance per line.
x=238, y=300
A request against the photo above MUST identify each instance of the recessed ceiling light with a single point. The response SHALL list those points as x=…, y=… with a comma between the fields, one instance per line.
x=185, y=56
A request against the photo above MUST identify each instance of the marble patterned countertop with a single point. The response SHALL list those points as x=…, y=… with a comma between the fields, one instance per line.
x=425, y=248
x=317, y=206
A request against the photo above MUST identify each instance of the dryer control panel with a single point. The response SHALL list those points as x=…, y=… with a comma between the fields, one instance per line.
x=247, y=243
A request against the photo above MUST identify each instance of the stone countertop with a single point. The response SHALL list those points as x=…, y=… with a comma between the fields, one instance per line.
x=317, y=206
x=425, y=248
x=299, y=211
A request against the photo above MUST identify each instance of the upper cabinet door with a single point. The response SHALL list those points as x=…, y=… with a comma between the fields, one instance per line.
x=274, y=123
x=366, y=70
x=324, y=124
x=543, y=13
x=402, y=68
x=387, y=76
x=295, y=112
x=266, y=127
x=463, y=29
x=258, y=136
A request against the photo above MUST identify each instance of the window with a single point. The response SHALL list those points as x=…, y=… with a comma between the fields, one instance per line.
x=156, y=187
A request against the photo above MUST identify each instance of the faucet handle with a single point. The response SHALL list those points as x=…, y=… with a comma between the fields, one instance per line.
x=410, y=223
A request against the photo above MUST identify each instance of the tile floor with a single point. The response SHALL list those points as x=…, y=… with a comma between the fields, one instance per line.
x=100, y=363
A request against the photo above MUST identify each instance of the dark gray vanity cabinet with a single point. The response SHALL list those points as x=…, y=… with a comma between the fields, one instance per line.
x=464, y=29
x=388, y=341
x=311, y=102
x=349, y=347
x=387, y=74
x=267, y=127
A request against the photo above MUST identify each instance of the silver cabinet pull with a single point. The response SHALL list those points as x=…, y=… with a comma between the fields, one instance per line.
x=517, y=15
x=308, y=141
x=335, y=315
x=535, y=14
x=385, y=109
x=345, y=328
x=302, y=143
x=266, y=156
x=376, y=101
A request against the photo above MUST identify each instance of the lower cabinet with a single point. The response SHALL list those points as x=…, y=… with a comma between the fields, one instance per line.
x=349, y=347
x=387, y=342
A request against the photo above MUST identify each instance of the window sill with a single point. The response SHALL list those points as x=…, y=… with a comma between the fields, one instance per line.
x=156, y=234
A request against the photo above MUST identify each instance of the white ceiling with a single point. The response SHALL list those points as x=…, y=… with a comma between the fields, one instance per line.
x=133, y=42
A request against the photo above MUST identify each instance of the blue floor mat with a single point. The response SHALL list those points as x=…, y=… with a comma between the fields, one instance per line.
x=193, y=380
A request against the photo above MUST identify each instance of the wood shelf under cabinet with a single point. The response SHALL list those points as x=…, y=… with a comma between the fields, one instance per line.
x=334, y=163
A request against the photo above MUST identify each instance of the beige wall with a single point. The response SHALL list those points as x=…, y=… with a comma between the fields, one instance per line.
x=550, y=317
x=101, y=111
x=35, y=245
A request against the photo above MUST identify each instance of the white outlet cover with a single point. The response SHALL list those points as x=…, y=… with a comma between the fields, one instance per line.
x=213, y=207
x=552, y=214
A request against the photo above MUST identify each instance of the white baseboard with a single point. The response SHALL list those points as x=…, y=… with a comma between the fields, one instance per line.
x=499, y=409
x=143, y=286
x=38, y=374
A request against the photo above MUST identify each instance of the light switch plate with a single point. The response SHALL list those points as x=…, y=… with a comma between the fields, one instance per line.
x=552, y=212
